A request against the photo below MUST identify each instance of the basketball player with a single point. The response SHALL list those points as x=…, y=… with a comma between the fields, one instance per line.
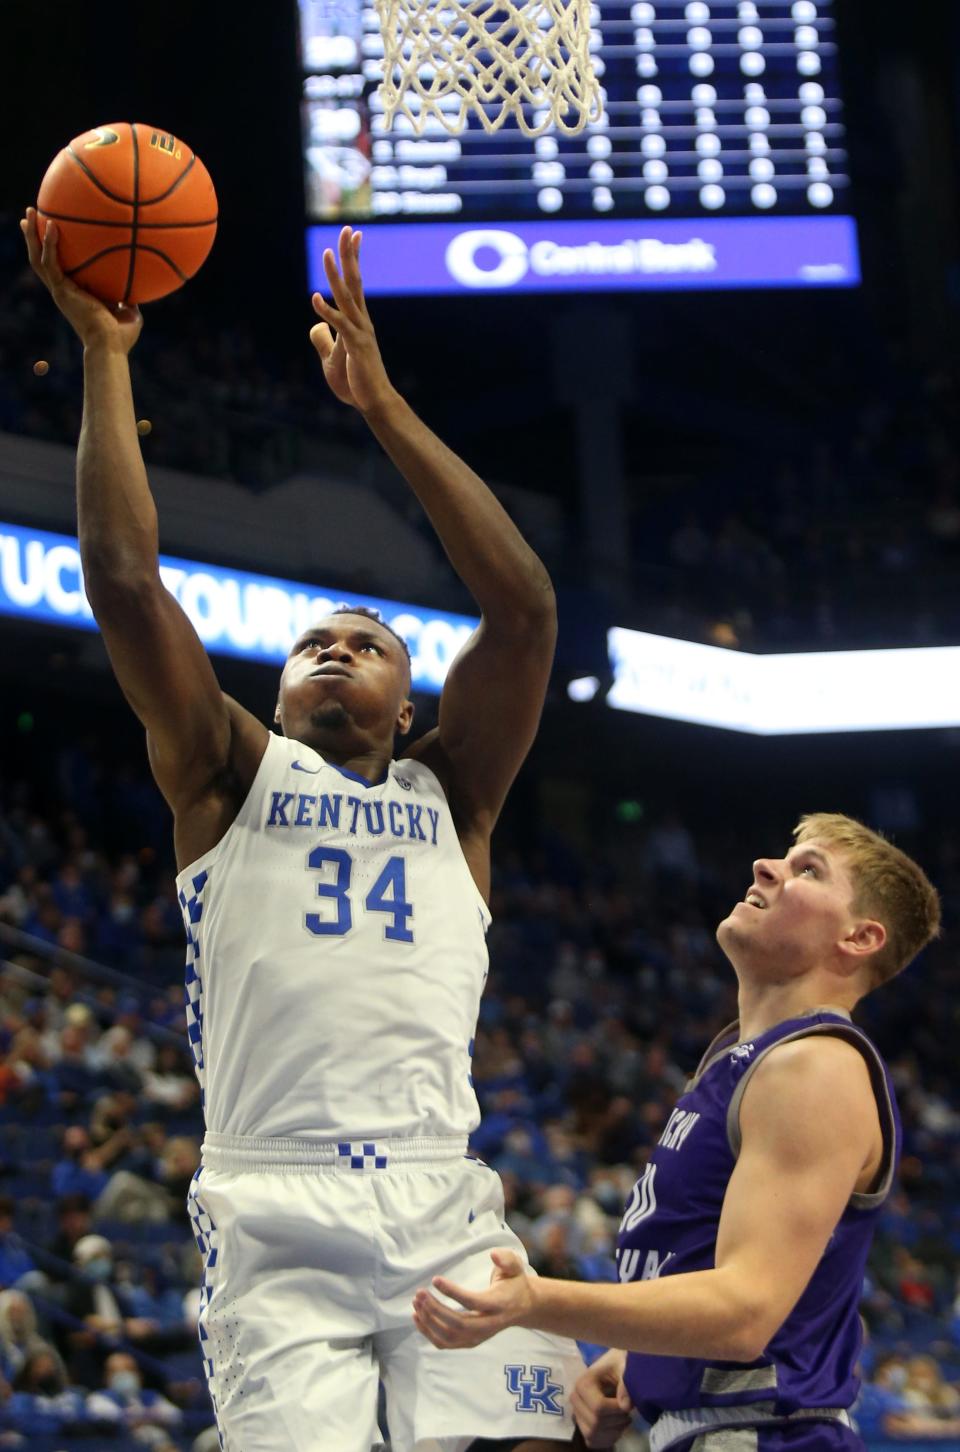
x=743, y=1246
x=336, y=909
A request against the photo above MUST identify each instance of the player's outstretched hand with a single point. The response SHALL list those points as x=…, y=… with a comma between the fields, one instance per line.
x=345, y=339
x=91, y=319
x=600, y=1402
x=509, y=1298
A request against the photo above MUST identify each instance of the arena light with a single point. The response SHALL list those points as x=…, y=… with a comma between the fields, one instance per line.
x=254, y=617
x=773, y=695
x=583, y=688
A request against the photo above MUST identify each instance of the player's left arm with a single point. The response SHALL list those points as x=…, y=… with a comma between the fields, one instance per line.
x=494, y=691
x=809, y=1125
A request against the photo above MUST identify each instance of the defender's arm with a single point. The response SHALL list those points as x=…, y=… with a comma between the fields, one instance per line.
x=809, y=1125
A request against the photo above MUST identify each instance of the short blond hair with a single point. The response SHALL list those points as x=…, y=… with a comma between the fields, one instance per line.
x=888, y=886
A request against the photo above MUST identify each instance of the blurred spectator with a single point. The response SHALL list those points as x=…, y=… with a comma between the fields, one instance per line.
x=43, y=1402
x=19, y=1338
x=14, y=1260
x=124, y=1400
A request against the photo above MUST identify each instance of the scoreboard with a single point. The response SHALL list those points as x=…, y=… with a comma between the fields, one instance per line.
x=718, y=160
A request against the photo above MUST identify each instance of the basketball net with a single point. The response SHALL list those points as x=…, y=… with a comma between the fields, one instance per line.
x=496, y=57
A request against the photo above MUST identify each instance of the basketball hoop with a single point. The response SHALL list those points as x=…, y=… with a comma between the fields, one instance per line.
x=445, y=58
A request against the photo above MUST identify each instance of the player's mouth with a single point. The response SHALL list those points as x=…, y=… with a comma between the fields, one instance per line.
x=755, y=900
x=331, y=669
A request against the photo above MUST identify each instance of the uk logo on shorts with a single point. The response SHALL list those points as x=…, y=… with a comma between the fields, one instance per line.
x=534, y=1392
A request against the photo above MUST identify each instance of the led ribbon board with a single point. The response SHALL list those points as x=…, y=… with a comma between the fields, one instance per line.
x=258, y=617
x=254, y=617
x=775, y=695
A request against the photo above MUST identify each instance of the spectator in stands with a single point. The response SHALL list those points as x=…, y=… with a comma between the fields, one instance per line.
x=23, y=1070
x=927, y=1391
x=80, y=1169
x=124, y=1401
x=172, y=1083
x=92, y=1300
x=114, y=1063
x=19, y=1337
x=74, y=1221
x=14, y=1259
x=43, y=1402
x=74, y=1073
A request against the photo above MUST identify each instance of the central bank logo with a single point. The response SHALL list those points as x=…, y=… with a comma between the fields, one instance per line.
x=507, y=254
x=536, y=1392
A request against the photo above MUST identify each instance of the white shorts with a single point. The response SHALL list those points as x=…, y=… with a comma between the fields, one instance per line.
x=312, y=1254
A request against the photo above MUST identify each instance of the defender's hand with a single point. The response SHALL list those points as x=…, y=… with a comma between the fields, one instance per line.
x=345, y=340
x=509, y=1299
x=600, y=1402
x=92, y=320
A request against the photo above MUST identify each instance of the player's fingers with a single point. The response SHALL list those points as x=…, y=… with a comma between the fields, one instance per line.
x=440, y=1330
x=340, y=290
x=624, y=1400
x=435, y=1337
x=325, y=310
x=472, y=1300
x=452, y=1323
x=350, y=264
x=28, y=227
x=322, y=339
x=48, y=255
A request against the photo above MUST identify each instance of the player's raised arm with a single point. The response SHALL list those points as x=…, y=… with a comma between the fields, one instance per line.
x=156, y=654
x=494, y=693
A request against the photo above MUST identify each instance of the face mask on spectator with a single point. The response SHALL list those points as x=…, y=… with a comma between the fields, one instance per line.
x=98, y=1269
x=125, y=1383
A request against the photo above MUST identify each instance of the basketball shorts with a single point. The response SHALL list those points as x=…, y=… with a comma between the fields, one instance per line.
x=312, y=1254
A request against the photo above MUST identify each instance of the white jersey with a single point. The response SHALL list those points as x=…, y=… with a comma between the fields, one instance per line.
x=336, y=957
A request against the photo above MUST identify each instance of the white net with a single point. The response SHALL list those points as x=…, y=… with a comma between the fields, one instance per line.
x=497, y=58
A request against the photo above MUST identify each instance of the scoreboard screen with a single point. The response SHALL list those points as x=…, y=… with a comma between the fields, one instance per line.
x=718, y=160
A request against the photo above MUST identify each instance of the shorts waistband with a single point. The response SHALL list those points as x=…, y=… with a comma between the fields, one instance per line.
x=242, y=1152
x=671, y=1428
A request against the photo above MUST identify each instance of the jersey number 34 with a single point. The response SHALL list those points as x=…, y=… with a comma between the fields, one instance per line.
x=387, y=895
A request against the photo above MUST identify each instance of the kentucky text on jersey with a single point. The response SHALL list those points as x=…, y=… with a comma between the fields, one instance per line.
x=339, y=812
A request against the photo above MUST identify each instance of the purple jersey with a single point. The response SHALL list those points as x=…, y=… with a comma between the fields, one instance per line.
x=670, y=1226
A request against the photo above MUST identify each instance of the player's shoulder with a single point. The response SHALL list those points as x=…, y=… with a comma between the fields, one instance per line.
x=821, y=1070
x=426, y=760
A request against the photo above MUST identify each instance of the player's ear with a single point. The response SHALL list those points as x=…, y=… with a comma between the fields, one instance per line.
x=276, y=715
x=866, y=937
x=404, y=718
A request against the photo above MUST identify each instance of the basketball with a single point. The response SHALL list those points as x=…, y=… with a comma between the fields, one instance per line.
x=135, y=208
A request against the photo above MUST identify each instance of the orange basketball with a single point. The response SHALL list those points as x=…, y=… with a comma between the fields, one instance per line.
x=135, y=208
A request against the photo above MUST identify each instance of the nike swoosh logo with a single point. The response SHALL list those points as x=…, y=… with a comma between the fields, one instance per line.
x=106, y=136
x=310, y=770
